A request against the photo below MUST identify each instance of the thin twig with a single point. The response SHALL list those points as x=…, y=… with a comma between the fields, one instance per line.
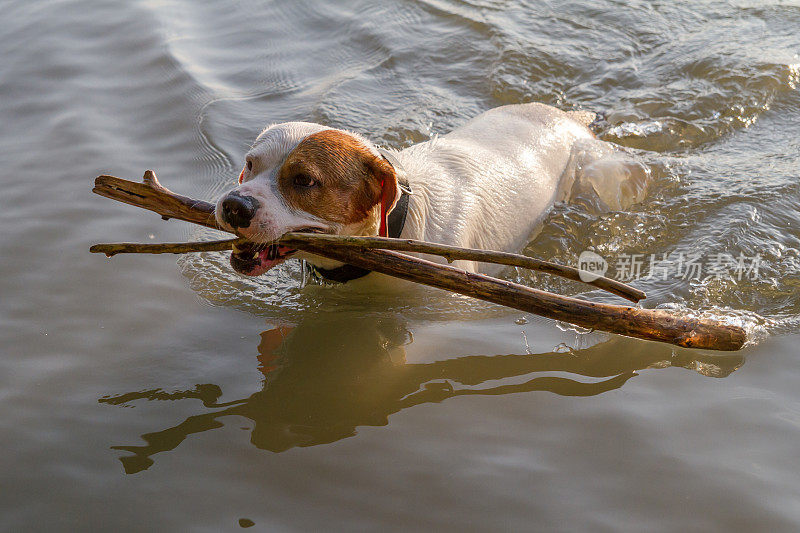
x=113, y=249
x=451, y=253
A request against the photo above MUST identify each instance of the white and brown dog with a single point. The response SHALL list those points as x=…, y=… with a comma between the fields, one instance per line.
x=488, y=184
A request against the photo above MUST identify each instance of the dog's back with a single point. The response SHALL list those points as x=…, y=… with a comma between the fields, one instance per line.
x=491, y=182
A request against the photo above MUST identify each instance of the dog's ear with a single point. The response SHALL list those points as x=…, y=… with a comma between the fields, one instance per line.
x=386, y=178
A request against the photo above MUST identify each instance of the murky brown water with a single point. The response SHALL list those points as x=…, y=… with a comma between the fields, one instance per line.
x=141, y=394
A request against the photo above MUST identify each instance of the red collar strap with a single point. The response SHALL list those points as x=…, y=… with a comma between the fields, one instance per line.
x=390, y=223
x=382, y=231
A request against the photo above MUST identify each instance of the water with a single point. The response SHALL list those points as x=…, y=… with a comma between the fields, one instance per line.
x=141, y=394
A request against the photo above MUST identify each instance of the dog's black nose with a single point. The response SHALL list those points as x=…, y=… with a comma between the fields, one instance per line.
x=238, y=210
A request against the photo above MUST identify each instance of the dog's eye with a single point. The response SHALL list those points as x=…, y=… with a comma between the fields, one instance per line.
x=249, y=164
x=304, y=180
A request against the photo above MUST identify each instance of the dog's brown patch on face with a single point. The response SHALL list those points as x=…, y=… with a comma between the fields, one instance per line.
x=333, y=176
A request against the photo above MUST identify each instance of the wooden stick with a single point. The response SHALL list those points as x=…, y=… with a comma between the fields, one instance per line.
x=451, y=253
x=113, y=249
x=649, y=324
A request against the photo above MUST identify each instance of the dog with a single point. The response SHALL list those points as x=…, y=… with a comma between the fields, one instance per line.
x=488, y=184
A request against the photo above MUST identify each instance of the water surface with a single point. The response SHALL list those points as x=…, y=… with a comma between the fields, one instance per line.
x=144, y=393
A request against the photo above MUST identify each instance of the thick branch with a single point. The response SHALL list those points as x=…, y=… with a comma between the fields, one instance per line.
x=631, y=321
x=151, y=195
x=650, y=324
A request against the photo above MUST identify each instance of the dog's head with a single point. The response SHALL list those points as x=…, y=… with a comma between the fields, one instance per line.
x=305, y=177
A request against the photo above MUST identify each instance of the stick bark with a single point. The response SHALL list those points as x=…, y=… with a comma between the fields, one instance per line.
x=659, y=325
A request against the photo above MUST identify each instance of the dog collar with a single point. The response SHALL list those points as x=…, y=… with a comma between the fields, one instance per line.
x=396, y=220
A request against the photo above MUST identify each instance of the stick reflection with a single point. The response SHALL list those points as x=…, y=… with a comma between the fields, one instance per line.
x=328, y=376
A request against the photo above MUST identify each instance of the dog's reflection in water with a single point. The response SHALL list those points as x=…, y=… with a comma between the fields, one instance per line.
x=328, y=376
